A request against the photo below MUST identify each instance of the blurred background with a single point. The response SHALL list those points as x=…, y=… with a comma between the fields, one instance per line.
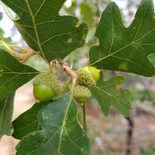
x=111, y=135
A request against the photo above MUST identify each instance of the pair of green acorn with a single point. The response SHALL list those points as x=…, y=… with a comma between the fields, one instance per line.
x=47, y=86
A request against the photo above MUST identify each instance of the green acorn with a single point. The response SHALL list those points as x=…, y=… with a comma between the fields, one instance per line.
x=81, y=94
x=46, y=87
x=85, y=77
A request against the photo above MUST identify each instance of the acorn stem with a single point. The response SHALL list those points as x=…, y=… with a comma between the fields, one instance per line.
x=73, y=85
x=80, y=117
x=50, y=67
x=84, y=117
x=64, y=88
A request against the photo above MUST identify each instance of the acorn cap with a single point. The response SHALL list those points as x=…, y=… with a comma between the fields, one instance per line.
x=85, y=78
x=81, y=91
x=49, y=80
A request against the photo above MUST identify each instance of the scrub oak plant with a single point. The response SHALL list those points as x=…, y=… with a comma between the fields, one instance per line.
x=53, y=125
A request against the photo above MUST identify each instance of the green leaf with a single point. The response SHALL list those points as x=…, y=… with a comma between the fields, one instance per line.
x=61, y=134
x=108, y=93
x=125, y=49
x=27, y=122
x=45, y=30
x=13, y=74
x=6, y=111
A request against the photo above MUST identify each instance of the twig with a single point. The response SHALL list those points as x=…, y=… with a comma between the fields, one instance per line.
x=67, y=69
x=129, y=132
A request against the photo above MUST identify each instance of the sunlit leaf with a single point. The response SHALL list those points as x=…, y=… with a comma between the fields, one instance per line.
x=125, y=49
x=45, y=30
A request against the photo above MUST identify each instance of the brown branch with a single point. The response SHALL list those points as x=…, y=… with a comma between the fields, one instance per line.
x=130, y=121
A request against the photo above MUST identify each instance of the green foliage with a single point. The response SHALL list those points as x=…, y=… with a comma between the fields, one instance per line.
x=108, y=93
x=125, y=49
x=6, y=111
x=44, y=30
x=27, y=122
x=13, y=74
x=142, y=95
x=61, y=132
x=149, y=151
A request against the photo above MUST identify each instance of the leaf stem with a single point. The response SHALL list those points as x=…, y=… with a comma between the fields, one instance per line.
x=8, y=48
x=21, y=57
x=44, y=71
x=19, y=47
